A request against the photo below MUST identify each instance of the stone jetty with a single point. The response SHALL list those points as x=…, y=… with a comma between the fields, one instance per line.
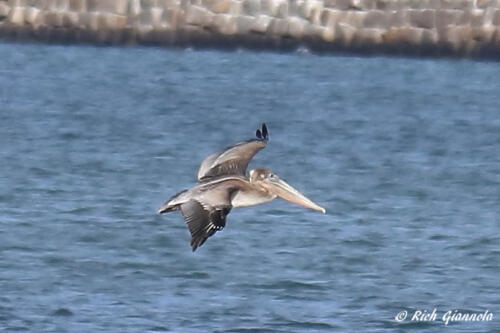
x=469, y=28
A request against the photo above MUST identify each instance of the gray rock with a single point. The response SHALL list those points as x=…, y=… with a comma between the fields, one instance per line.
x=32, y=15
x=369, y=37
x=376, y=19
x=344, y=33
x=261, y=24
x=251, y=7
x=4, y=10
x=339, y=4
x=398, y=18
x=53, y=19
x=245, y=23
x=172, y=17
x=78, y=5
x=330, y=17
x=119, y=7
x=225, y=24
x=16, y=15
x=220, y=6
x=422, y=18
x=152, y=16
x=199, y=16
x=496, y=17
x=446, y=17
x=278, y=27
x=296, y=27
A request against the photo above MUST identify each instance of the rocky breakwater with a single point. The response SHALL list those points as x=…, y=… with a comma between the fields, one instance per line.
x=414, y=27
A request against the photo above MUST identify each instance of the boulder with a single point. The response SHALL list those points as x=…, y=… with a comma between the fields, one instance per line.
x=244, y=23
x=152, y=16
x=261, y=24
x=429, y=37
x=483, y=4
x=134, y=8
x=355, y=18
x=225, y=24
x=169, y=4
x=477, y=16
x=422, y=18
x=456, y=4
x=296, y=27
x=376, y=19
x=236, y=8
x=282, y=10
x=55, y=5
x=311, y=10
x=446, y=17
x=327, y=34
x=251, y=7
x=340, y=4
x=146, y=4
x=53, y=19
x=417, y=4
x=345, y=33
x=90, y=20
x=319, y=33
x=294, y=7
x=366, y=4
x=369, y=37
x=384, y=5
x=119, y=7
x=278, y=27
x=16, y=15
x=221, y=6
x=110, y=21
x=70, y=19
x=32, y=15
x=496, y=17
x=199, y=16
x=397, y=18
x=330, y=17
x=403, y=36
x=4, y=10
x=17, y=3
x=172, y=17
x=78, y=5
x=488, y=16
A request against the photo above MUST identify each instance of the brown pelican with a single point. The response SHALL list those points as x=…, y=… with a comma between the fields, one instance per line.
x=223, y=185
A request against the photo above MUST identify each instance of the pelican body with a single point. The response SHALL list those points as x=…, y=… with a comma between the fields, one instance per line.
x=223, y=185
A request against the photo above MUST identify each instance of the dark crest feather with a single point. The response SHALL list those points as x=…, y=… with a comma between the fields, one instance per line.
x=265, y=135
x=262, y=133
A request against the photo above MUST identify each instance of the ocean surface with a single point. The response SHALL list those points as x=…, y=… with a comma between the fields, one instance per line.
x=403, y=153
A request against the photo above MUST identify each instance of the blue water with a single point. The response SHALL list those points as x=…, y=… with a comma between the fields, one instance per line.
x=403, y=153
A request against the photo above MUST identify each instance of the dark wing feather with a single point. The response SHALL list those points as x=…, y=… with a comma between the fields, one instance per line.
x=202, y=222
x=234, y=160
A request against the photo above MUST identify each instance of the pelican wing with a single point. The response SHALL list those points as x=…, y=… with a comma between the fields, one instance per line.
x=234, y=160
x=203, y=221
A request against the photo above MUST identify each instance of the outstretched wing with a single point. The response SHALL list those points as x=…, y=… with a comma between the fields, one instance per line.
x=202, y=221
x=234, y=160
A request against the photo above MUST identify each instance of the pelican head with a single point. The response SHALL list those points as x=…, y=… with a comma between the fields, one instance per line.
x=275, y=186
